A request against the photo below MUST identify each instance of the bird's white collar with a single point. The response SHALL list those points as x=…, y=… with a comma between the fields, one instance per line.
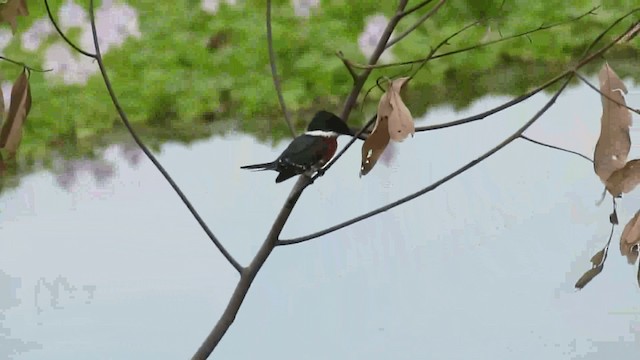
x=322, y=133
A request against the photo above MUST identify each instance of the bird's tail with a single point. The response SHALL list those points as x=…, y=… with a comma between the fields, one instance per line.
x=264, y=166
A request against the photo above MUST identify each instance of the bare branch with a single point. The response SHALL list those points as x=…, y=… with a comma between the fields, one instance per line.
x=605, y=95
x=495, y=110
x=445, y=41
x=250, y=272
x=123, y=116
x=360, y=80
x=419, y=22
x=64, y=37
x=347, y=64
x=274, y=73
x=435, y=185
x=415, y=8
x=229, y=314
x=24, y=65
x=568, y=75
x=540, y=28
x=555, y=147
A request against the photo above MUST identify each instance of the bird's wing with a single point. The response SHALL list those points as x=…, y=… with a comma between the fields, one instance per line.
x=304, y=150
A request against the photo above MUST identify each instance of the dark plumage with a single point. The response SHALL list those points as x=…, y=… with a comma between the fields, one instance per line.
x=309, y=151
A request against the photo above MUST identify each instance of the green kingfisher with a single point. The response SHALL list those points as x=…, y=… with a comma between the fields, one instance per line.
x=310, y=151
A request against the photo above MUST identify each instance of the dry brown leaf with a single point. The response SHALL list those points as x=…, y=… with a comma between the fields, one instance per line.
x=375, y=144
x=11, y=10
x=588, y=276
x=630, y=239
x=624, y=180
x=11, y=133
x=614, y=142
x=393, y=122
x=400, y=119
x=597, y=258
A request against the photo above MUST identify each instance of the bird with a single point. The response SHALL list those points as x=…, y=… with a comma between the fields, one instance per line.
x=310, y=151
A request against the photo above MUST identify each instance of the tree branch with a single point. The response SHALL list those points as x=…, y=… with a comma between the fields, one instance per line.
x=64, y=37
x=270, y=242
x=411, y=28
x=435, y=185
x=347, y=64
x=123, y=116
x=555, y=147
x=229, y=314
x=584, y=80
x=360, y=80
x=24, y=65
x=274, y=72
x=415, y=8
x=525, y=33
x=568, y=75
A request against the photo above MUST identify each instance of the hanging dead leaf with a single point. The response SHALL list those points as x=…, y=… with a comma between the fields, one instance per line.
x=614, y=142
x=10, y=10
x=630, y=239
x=400, y=119
x=598, y=258
x=11, y=132
x=624, y=180
x=375, y=144
x=588, y=276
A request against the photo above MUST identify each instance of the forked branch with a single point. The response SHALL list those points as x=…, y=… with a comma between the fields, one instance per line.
x=123, y=116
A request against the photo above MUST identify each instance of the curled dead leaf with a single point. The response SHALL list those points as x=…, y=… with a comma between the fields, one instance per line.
x=630, y=239
x=624, y=180
x=614, y=142
x=400, y=119
x=374, y=145
x=588, y=276
x=11, y=132
x=10, y=10
x=393, y=122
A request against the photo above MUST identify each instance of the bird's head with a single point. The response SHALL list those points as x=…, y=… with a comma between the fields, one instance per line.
x=325, y=123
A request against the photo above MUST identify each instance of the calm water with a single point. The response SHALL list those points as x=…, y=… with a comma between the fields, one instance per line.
x=482, y=268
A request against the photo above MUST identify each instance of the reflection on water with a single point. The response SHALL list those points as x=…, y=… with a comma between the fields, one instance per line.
x=67, y=171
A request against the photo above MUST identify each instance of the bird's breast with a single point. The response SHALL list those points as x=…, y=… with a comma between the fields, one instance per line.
x=332, y=146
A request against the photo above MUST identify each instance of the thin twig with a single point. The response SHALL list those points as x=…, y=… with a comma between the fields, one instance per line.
x=24, y=65
x=64, y=37
x=555, y=147
x=274, y=72
x=362, y=78
x=419, y=22
x=605, y=95
x=359, y=134
x=568, y=75
x=540, y=28
x=443, y=42
x=123, y=116
x=347, y=64
x=341, y=152
x=415, y=8
x=435, y=185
